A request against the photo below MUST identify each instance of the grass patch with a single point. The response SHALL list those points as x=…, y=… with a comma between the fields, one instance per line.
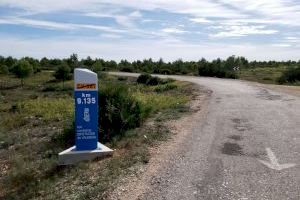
x=266, y=75
x=48, y=109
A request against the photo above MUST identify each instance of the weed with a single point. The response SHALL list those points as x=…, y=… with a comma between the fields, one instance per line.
x=166, y=87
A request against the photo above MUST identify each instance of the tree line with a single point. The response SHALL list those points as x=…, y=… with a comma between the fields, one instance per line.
x=64, y=67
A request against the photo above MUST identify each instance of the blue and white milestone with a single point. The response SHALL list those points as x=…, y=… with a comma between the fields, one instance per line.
x=86, y=109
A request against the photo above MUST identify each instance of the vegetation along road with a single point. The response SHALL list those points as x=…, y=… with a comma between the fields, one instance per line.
x=243, y=145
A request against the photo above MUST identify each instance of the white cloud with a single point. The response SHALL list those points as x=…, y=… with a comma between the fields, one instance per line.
x=201, y=20
x=136, y=14
x=123, y=20
x=149, y=20
x=192, y=7
x=111, y=36
x=173, y=30
x=292, y=38
x=286, y=12
x=56, y=25
x=281, y=45
x=240, y=31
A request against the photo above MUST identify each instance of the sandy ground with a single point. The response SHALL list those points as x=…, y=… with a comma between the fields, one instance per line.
x=135, y=185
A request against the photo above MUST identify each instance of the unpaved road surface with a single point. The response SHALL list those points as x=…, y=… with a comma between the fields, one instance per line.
x=244, y=145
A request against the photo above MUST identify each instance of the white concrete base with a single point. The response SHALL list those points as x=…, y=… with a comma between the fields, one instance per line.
x=71, y=156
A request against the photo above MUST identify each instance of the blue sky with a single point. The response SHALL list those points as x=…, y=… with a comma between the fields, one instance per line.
x=138, y=29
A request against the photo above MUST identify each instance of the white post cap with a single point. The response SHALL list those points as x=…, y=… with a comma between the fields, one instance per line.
x=85, y=79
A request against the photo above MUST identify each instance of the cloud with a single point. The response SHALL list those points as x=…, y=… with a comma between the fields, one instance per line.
x=264, y=11
x=111, y=36
x=281, y=45
x=201, y=20
x=192, y=7
x=136, y=14
x=285, y=12
x=127, y=20
x=56, y=25
x=173, y=30
x=292, y=39
x=240, y=31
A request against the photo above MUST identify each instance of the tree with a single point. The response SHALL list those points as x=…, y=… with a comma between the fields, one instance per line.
x=97, y=66
x=22, y=69
x=34, y=63
x=63, y=73
x=44, y=63
x=72, y=61
x=3, y=69
x=88, y=62
x=125, y=66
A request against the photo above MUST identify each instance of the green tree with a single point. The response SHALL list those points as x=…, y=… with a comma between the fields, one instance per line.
x=125, y=66
x=34, y=63
x=63, y=73
x=97, y=66
x=72, y=61
x=4, y=69
x=44, y=63
x=88, y=62
x=22, y=69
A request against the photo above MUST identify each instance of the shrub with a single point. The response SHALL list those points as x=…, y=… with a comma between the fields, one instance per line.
x=291, y=75
x=143, y=78
x=215, y=71
x=165, y=71
x=166, y=87
x=63, y=73
x=126, y=69
x=118, y=111
x=4, y=69
x=122, y=78
x=22, y=69
x=153, y=81
x=147, y=79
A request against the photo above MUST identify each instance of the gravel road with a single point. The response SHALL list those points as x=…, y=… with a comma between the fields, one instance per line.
x=245, y=144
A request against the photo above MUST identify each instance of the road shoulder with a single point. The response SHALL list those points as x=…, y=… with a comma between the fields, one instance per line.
x=138, y=183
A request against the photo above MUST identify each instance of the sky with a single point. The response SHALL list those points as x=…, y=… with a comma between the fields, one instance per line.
x=139, y=29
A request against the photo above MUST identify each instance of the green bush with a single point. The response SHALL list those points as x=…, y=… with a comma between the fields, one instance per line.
x=143, y=78
x=153, y=81
x=118, y=111
x=291, y=75
x=147, y=79
x=4, y=69
x=22, y=69
x=210, y=70
x=165, y=71
x=126, y=69
x=63, y=73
